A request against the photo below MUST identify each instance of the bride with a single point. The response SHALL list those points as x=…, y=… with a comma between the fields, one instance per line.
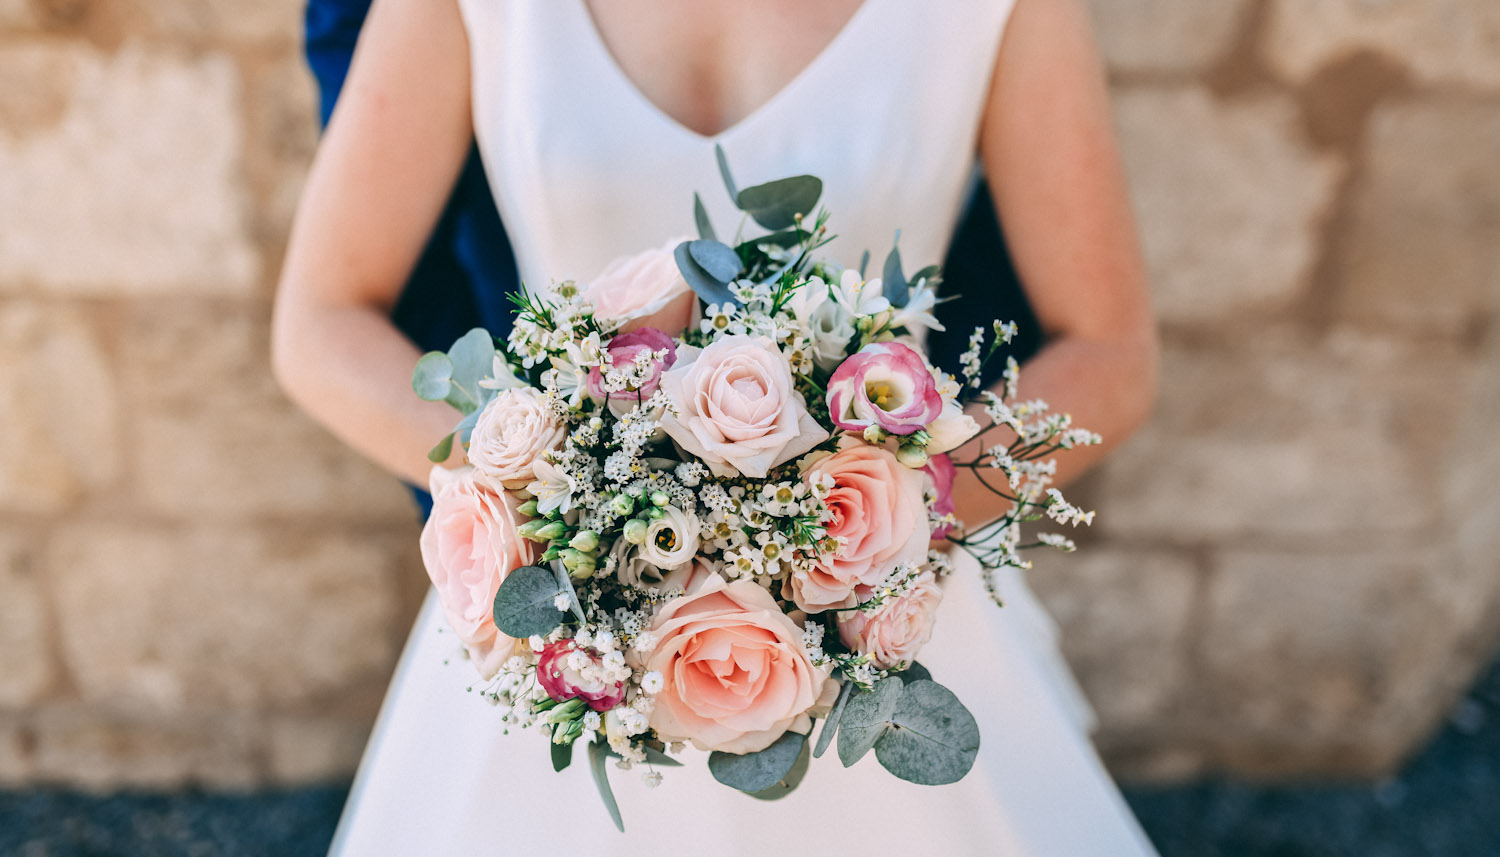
x=597, y=121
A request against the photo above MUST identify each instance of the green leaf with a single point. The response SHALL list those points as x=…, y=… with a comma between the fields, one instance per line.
x=465, y=426
x=831, y=725
x=915, y=672
x=525, y=604
x=598, y=755
x=562, y=756
x=433, y=376
x=866, y=716
x=700, y=215
x=775, y=205
x=657, y=757
x=893, y=282
x=864, y=262
x=933, y=274
x=473, y=359
x=754, y=772
x=717, y=260
x=789, y=781
x=712, y=291
x=440, y=453
x=734, y=193
x=932, y=739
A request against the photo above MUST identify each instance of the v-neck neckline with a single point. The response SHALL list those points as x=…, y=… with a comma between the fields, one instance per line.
x=607, y=59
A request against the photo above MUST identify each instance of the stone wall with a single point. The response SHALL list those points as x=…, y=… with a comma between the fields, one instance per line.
x=1294, y=571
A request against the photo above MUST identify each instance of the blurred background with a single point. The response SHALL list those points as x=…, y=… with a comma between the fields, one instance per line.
x=1296, y=574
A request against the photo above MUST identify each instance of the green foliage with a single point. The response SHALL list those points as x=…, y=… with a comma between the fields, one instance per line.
x=729, y=185
x=831, y=725
x=562, y=755
x=598, y=755
x=790, y=780
x=893, y=281
x=919, y=730
x=756, y=772
x=700, y=216
x=775, y=205
x=866, y=716
x=708, y=286
x=526, y=604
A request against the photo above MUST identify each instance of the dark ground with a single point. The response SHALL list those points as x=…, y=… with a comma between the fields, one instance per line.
x=1445, y=804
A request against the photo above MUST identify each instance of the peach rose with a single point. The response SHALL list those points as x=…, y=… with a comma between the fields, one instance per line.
x=735, y=675
x=893, y=633
x=469, y=545
x=878, y=514
x=644, y=290
x=512, y=432
x=736, y=407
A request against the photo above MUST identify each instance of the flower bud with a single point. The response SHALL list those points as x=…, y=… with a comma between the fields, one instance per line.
x=530, y=529
x=586, y=541
x=578, y=563
x=920, y=438
x=567, y=711
x=529, y=508
x=551, y=554
x=553, y=530
x=635, y=531
x=912, y=456
x=660, y=499
x=655, y=512
x=621, y=504
x=874, y=434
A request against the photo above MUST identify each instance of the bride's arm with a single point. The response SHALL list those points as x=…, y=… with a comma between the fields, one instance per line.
x=1050, y=157
x=383, y=173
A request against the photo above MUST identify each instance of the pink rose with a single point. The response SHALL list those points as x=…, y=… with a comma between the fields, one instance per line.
x=513, y=430
x=644, y=290
x=556, y=672
x=623, y=351
x=940, y=468
x=735, y=675
x=886, y=384
x=893, y=633
x=736, y=407
x=877, y=514
x=469, y=545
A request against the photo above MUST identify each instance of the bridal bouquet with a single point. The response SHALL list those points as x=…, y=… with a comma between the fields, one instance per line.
x=708, y=501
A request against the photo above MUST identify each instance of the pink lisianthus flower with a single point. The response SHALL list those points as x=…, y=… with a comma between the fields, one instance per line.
x=623, y=351
x=886, y=384
x=940, y=467
x=555, y=670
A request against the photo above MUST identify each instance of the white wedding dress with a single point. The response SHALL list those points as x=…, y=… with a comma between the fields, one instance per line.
x=585, y=169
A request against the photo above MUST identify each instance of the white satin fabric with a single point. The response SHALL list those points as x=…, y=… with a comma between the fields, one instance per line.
x=585, y=169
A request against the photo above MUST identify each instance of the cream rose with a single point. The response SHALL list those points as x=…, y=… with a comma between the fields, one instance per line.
x=512, y=432
x=633, y=569
x=735, y=675
x=469, y=545
x=736, y=407
x=644, y=290
x=879, y=517
x=895, y=632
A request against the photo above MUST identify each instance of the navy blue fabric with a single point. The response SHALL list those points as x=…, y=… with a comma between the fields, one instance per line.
x=468, y=267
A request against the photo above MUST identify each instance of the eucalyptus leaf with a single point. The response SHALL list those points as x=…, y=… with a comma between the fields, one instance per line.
x=754, y=772
x=432, y=378
x=864, y=262
x=915, y=672
x=526, y=604
x=700, y=215
x=718, y=260
x=440, y=453
x=789, y=781
x=473, y=358
x=932, y=738
x=657, y=757
x=831, y=725
x=776, y=204
x=734, y=193
x=465, y=426
x=893, y=282
x=598, y=755
x=565, y=584
x=562, y=756
x=933, y=274
x=710, y=290
x=866, y=717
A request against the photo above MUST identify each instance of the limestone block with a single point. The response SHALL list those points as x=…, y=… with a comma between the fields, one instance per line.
x=165, y=620
x=1422, y=253
x=1443, y=41
x=1306, y=656
x=1335, y=441
x=1166, y=35
x=58, y=408
x=215, y=437
x=25, y=657
x=86, y=750
x=1229, y=200
x=132, y=186
x=1123, y=615
x=307, y=750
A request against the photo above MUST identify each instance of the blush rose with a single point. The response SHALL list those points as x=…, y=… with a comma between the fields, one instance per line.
x=644, y=290
x=895, y=632
x=512, y=432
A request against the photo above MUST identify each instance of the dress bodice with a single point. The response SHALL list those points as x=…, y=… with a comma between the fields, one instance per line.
x=584, y=168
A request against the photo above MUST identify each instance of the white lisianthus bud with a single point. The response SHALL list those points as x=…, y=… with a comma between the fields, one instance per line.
x=635, y=531
x=912, y=456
